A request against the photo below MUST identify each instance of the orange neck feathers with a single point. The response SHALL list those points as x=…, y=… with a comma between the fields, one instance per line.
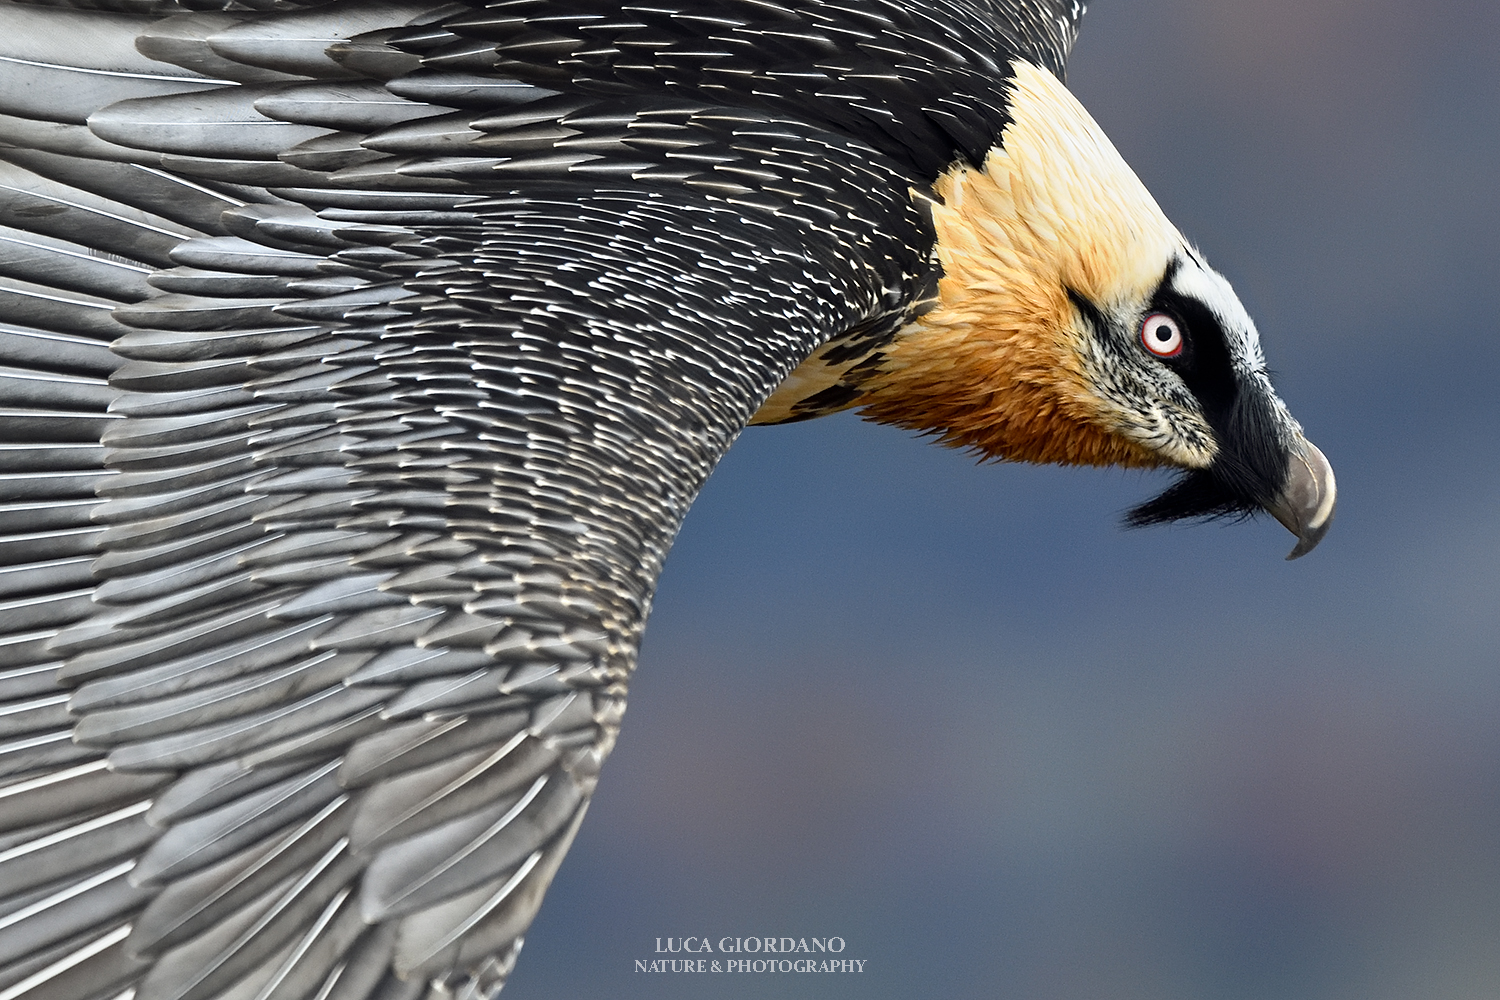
x=1003, y=364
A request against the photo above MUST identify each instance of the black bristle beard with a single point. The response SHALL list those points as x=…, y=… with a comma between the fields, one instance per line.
x=1197, y=494
x=1247, y=474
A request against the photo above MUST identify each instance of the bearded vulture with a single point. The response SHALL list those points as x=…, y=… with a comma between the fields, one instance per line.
x=361, y=359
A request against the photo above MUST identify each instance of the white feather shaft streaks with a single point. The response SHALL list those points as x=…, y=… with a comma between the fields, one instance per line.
x=427, y=796
x=70, y=791
x=66, y=964
x=421, y=742
x=429, y=940
x=84, y=845
x=216, y=892
x=210, y=963
x=56, y=72
x=72, y=907
x=362, y=363
x=318, y=953
x=257, y=652
x=214, y=835
x=430, y=866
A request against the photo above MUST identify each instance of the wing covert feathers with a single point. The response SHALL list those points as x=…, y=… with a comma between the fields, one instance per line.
x=358, y=363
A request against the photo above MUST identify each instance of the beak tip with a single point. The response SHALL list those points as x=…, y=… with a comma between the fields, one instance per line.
x=1308, y=540
x=1306, y=503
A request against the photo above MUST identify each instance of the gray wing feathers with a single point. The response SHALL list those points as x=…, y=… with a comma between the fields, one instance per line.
x=192, y=648
x=59, y=66
x=353, y=393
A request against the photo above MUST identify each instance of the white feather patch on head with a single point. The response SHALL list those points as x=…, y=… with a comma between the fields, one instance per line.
x=1195, y=279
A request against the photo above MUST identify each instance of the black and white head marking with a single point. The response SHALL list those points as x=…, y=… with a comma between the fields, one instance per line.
x=1221, y=366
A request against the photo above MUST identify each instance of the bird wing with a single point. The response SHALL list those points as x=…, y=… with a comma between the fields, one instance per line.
x=358, y=365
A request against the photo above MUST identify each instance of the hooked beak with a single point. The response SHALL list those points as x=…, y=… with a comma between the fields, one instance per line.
x=1305, y=504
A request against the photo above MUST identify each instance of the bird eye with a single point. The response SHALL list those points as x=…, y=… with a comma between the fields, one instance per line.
x=1161, y=335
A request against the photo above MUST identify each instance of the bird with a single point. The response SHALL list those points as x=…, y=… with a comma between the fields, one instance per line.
x=360, y=359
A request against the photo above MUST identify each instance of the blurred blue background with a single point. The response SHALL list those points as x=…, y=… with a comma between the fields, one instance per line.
x=1004, y=748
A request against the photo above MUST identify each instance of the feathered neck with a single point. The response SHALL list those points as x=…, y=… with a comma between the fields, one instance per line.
x=1003, y=363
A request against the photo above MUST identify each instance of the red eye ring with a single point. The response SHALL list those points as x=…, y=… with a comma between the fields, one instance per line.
x=1161, y=335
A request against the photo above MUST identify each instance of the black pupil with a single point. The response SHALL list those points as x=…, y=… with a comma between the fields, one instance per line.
x=1164, y=333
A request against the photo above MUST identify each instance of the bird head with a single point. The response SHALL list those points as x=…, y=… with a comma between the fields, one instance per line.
x=1074, y=324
